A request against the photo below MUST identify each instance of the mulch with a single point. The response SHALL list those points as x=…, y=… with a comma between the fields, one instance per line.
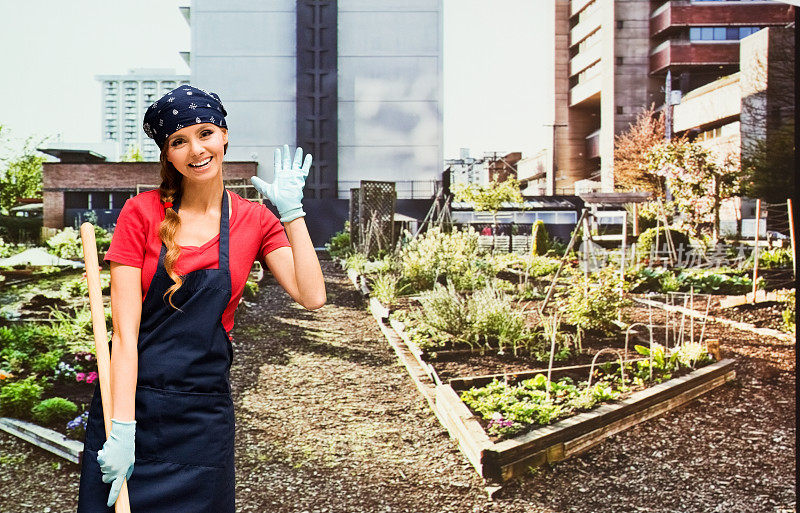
x=328, y=421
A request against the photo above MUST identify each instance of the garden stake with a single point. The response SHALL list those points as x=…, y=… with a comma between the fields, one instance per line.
x=705, y=320
x=627, y=335
x=755, y=250
x=100, y=341
x=691, y=306
x=563, y=261
x=552, y=350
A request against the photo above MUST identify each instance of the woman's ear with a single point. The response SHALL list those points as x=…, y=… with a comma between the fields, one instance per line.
x=224, y=135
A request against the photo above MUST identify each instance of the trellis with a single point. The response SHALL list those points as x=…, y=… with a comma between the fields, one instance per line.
x=372, y=208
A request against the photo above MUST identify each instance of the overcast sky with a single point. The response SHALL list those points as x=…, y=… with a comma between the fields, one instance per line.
x=497, y=66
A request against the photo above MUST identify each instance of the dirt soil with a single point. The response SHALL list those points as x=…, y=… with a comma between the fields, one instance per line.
x=328, y=421
x=768, y=314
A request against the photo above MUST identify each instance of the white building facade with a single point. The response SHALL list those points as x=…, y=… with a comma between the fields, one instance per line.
x=125, y=99
x=278, y=66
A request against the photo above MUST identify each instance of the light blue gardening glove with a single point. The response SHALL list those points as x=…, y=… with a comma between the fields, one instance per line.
x=286, y=190
x=117, y=456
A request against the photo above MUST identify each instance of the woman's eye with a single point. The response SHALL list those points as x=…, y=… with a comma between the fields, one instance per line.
x=177, y=142
x=206, y=133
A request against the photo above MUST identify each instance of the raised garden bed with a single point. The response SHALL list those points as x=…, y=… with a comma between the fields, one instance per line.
x=499, y=460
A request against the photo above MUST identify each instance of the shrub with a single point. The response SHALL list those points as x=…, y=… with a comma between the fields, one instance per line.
x=446, y=310
x=541, y=239
x=595, y=302
x=18, y=398
x=66, y=244
x=339, y=245
x=493, y=316
x=436, y=256
x=647, y=239
x=46, y=363
x=54, y=410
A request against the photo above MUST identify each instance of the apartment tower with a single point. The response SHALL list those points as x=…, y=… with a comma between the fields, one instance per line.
x=617, y=57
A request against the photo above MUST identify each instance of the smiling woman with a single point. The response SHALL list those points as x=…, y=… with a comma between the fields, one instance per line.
x=180, y=257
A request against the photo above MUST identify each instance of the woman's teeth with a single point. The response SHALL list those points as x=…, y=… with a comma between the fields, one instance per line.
x=201, y=164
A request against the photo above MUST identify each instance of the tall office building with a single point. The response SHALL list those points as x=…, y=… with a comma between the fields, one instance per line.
x=126, y=98
x=357, y=83
x=616, y=57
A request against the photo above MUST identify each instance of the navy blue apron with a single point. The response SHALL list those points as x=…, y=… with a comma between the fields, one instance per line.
x=184, y=412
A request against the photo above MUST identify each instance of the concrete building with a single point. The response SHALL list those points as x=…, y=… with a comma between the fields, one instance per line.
x=356, y=83
x=126, y=98
x=616, y=57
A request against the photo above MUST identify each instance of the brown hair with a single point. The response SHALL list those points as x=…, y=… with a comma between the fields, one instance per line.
x=170, y=188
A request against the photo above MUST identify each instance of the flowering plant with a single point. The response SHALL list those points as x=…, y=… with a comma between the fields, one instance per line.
x=76, y=428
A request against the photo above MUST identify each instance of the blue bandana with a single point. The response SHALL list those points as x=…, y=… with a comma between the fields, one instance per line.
x=183, y=106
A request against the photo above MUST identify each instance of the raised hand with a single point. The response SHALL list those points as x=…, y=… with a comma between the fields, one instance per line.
x=286, y=190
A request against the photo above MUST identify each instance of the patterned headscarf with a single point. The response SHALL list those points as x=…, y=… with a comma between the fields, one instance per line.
x=183, y=106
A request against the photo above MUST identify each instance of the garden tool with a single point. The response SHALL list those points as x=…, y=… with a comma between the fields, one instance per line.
x=100, y=340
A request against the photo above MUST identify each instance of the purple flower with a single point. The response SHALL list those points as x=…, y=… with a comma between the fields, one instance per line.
x=80, y=376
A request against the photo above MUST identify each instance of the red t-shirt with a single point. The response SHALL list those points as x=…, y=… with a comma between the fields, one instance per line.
x=254, y=233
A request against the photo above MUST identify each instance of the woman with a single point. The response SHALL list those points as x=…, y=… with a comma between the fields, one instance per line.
x=180, y=257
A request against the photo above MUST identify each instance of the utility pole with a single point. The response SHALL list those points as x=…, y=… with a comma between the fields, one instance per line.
x=553, y=154
x=668, y=118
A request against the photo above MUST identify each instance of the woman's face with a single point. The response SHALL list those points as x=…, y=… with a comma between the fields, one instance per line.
x=197, y=150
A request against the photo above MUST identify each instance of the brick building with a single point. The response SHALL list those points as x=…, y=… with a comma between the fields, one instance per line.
x=615, y=57
x=72, y=189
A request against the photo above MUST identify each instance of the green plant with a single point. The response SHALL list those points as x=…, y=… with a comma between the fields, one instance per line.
x=46, y=363
x=339, y=245
x=788, y=313
x=356, y=262
x=18, y=398
x=492, y=315
x=645, y=244
x=541, y=240
x=446, y=310
x=54, y=410
x=776, y=258
x=386, y=288
x=66, y=244
x=595, y=302
x=250, y=289
x=438, y=256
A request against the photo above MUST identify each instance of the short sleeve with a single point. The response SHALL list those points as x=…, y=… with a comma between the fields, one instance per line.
x=128, y=242
x=273, y=236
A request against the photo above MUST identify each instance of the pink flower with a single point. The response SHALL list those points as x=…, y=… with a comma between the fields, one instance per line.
x=91, y=377
x=80, y=376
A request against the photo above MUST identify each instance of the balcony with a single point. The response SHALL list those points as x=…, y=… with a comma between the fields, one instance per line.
x=577, y=6
x=684, y=14
x=593, y=144
x=585, y=59
x=584, y=28
x=588, y=90
x=681, y=54
x=712, y=104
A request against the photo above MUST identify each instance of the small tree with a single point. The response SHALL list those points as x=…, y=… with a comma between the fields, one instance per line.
x=697, y=179
x=22, y=176
x=491, y=197
x=630, y=153
x=134, y=154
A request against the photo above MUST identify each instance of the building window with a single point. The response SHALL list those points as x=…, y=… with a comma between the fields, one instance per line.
x=620, y=109
x=720, y=33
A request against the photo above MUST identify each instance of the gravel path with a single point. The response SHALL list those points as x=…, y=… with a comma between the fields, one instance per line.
x=328, y=421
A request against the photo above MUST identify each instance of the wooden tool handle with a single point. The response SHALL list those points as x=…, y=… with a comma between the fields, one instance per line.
x=100, y=340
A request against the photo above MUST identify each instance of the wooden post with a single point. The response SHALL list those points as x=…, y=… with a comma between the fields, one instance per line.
x=755, y=250
x=635, y=232
x=791, y=235
x=622, y=259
